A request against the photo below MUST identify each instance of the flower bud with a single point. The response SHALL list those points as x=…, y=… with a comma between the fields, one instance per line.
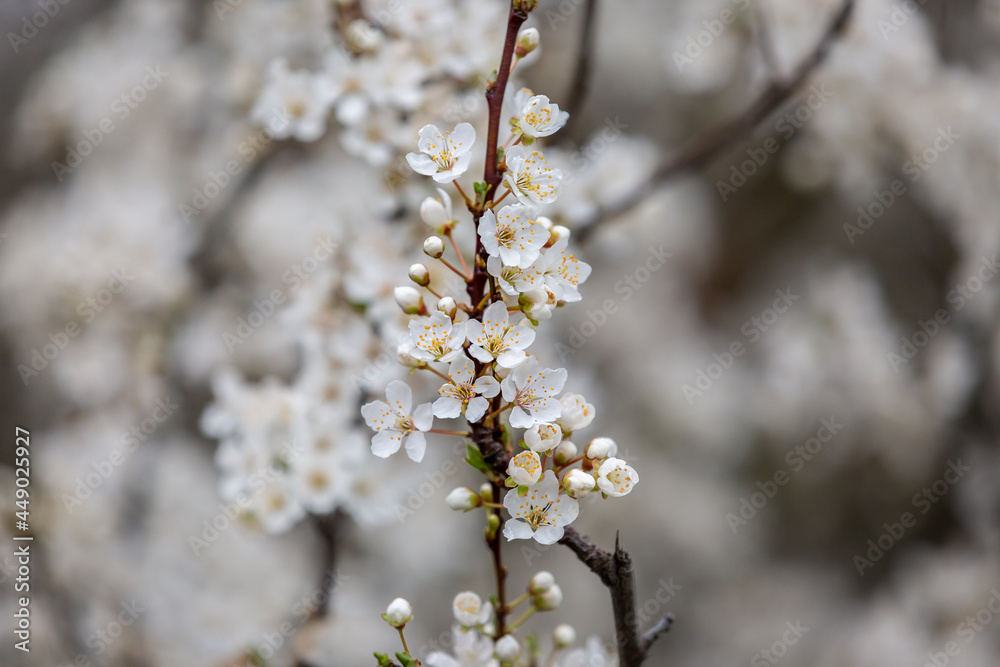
x=433, y=246
x=507, y=649
x=436, y=212
x=601, y=448
x=545, y=222
x=463, y=499
x=492, y=526
x=578, y=483
x=447, y=306
x=542, y=437
x=565, y=452
x=398, y=613
x=527, y=41
x=564, y=635
x=550, y=599
x=576, y=412
x=541, y=582
x=486, y=492
x=420, y=275
x=410, y=300
x=556, y=234
x=404, y=356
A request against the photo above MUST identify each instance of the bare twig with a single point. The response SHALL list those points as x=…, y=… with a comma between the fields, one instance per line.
x=616, y=573
x=705, y=148
x=580, y=83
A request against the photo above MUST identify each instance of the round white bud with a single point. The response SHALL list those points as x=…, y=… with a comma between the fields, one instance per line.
x=550, y=599
x=448, y=306
x=410, y=300
x=433, y=246
x=564, y=635
x=507, y=649
x=420, y=275
x=579, y=483
x=527, y=41
x=601, y=448
x=463, y=499
x=565, y=451
x=398, y=613
x=541, y=582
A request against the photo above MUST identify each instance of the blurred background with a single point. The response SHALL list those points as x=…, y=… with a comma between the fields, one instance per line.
x=204, y=210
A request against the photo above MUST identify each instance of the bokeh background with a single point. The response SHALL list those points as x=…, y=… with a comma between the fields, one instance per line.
x=839, y=474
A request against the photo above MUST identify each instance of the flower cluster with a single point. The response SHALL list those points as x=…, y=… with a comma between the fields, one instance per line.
x=478, y=344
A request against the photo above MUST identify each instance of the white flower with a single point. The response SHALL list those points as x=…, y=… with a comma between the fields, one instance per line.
x=537, y=117
x=461, y=393
x=576, y=412
x=525, y=468
x=495, y=338
x=543, y=437
x=541, y=513
x=601, y=448
x=293, y=103
x=436, y=338
x=593, y=655
x=538, y=304
x=469, y=609
x=446, y=156
x=437, y=212
x=541, y=582
x=530, y=178
x=463, y=499
x=579, y=483
x=550, y=599
x=395, y=424
x=512, y=235
x=532, y=390
x=563, y=635
x=508, y=649
x=616, y=478
x=398, y=613
x=564, y=273
x=471, y=650
x=513, y=279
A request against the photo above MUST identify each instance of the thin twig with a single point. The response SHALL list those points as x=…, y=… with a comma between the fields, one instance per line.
x=580, y=83
x=702, y=150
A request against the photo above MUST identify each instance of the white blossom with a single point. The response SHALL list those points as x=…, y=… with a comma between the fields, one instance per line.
x=443, y=156
x=530, y=178
x=512, y=235
x=469, y=609
x=465, y=392
x=542, y=513
x=293, y=103
x=576, y=413
x=436, y=338
x=525, y=468
x=513, y=279
x=532, y=390
x=537, y=116
x=395, y=425
x=495, y=339
x=616, y=478
x=564, y=273
x=543, y=437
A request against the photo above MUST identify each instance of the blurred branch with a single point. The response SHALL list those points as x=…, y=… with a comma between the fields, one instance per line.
x=616, y=573
x=580, y=82
x=705, y=148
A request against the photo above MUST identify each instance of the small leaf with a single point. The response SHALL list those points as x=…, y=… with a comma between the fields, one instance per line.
x=474, y=458
x=406, y=660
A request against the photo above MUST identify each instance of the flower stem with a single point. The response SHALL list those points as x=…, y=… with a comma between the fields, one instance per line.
x=514, y=603
x=463, y=275
x=468, y=202
x=443, y=432
x=524, y=617
x=441, y=375
x=461, y=259
x=504, y=195
x=403, y=639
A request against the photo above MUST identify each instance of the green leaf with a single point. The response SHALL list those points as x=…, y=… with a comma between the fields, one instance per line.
x=383, y=660
x=474, y=458
x=406, y=660
x=480, y=187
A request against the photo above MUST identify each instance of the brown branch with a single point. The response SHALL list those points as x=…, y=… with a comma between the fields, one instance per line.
x=495, y=92
x=616, y=573
x=703, y=150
